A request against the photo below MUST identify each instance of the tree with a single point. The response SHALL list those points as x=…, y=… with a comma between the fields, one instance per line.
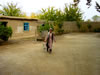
x=11, y=10
x=72, y=13
x=97, y=6
x=51, y=14
x=48, y=14
x=33, y=15
x=23, y=14
x=96, y=18
x=88, y=20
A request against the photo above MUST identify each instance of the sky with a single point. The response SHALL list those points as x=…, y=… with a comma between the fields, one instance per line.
x=30, y=6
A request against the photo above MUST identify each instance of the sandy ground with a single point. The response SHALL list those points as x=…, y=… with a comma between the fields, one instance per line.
x=73, y=54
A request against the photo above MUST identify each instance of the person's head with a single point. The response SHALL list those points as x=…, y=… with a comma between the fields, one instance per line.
x=50, y=30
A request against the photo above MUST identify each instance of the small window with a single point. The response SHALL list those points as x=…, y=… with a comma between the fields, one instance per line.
x=26, y=26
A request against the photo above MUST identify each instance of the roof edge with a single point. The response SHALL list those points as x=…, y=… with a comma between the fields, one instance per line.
x=17, y=18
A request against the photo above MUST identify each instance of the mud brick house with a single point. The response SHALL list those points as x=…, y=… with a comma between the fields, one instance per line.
x=20, y=26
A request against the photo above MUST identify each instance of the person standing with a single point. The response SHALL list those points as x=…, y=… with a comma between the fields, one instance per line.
x=49, y=40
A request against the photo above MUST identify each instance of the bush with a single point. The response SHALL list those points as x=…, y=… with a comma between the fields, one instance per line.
x=60, y=24
x=79, y=25
x=97, y=30
x=58, y=27
x=60, y=31
x=5, y=33
x=44, y=27
x=89, y=27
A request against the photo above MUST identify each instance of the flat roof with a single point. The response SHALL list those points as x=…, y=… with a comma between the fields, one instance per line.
x=17, y=18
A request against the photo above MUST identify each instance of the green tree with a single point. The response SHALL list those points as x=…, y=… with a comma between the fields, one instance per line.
x=33, y=15
x=48, y=14
x=95, y=18
x=72, y=13
x=88, y=20
x=23, y=14
x=45, y=26
x=11, y=10
x=51, y=14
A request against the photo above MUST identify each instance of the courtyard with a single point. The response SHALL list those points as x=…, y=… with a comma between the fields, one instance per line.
x=73, y=54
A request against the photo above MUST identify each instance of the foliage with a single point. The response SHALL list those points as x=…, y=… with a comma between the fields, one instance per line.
x=11, y=10
x=51, y=14
x=89, y=26
x=33, y=15
x=88, y=20
x=95, y=17
x=58, y=27
x=59, y=23
x=45, y=26
x=23, y=14
x=58, y=31
x=97, y=30
x=79, y=24
x=72, y=13
x=5, y=32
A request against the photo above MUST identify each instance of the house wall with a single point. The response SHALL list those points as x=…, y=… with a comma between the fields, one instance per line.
x=18, y=27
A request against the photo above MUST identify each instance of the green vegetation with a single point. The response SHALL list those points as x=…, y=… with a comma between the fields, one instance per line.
x=79, y=24
x=97, y=30
x=58, y=27
x=11, y=9
x=5, y=32
x=95, y=18
x=51, y=14
x=89, y=26
x=70, y=13
x=45, y=26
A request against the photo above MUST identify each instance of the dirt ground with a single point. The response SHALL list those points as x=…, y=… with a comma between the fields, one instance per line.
x=73, y=54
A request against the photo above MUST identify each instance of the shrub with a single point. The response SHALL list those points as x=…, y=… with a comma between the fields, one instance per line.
x=60, y=24
x=89, y=27
x=44, y=27
x=79, y=24
x=5, y=33
x=97, y=30
x=58, y=27
x=58, y=30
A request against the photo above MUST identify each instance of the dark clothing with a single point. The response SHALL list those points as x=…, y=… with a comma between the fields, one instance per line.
x=48, y=42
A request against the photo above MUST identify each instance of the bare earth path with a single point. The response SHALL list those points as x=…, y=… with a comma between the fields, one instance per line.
x=73, y=54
